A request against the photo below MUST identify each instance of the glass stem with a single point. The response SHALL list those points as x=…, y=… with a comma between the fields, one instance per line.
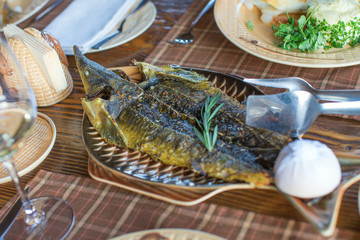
x=33, y=217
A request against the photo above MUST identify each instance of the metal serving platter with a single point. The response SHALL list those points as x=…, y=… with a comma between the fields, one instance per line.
x=136, y=171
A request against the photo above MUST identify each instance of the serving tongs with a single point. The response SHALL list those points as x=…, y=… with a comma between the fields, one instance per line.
x=296, y=83
x=292, y=113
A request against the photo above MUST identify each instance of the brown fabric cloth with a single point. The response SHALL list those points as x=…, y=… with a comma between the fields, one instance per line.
x=212, y=50
x=103, y=211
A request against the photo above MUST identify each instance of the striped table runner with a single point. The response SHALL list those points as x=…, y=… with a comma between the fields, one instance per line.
x=104, y=211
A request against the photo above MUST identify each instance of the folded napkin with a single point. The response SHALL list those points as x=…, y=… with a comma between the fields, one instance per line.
x=85, y=22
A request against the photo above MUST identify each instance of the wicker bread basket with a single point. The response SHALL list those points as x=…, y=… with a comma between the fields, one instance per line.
x=45, y=95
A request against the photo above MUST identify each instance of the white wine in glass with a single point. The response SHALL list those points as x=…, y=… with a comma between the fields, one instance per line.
x=40, y=218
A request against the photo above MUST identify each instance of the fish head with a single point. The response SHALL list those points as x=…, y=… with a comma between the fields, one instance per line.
x=96, y=78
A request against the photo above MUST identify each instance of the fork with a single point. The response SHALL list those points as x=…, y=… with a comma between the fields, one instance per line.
x=296, y=83
x=188, y=37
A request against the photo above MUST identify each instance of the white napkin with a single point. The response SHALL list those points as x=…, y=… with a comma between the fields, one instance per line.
x=85, y=22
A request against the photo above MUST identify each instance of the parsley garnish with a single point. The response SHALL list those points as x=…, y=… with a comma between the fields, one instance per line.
x=250, y=26
x=312, y=35
x=208, y=137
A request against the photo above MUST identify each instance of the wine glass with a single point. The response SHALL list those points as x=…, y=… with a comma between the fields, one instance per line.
x=41, y=218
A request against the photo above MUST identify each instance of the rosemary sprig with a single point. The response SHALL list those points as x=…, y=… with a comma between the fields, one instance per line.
x=206, y=136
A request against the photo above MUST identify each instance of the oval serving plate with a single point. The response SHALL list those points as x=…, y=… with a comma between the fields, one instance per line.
x=137, y=172
x=232, y=16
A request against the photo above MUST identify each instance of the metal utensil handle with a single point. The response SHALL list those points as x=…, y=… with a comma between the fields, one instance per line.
x=350, y=108
x=143, y=2
x=119, y=30
x=205, y=9
x=12, y=213
x=338, y=95
x=49, y=9
x=290, y=83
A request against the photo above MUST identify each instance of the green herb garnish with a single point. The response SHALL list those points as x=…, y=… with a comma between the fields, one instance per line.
x=250, y=26
x=304, y=36
x=312, y=35
x=206, y=136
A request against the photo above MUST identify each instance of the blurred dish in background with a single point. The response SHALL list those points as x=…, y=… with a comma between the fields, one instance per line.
x=135, y=25
x=169, y=234
x=17, y=11
x=245, y=29
x=98, y=22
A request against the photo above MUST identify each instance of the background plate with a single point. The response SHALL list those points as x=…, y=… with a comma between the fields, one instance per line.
x=29, y=8
x=135, y=25
x=36, y=148
x=169, y=234
x=232, y=16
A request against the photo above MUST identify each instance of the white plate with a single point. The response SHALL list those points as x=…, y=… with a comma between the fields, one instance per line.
x=135, y=25
x=232, y=16
x=36, y=148
x=169, y=234
x=29, y=8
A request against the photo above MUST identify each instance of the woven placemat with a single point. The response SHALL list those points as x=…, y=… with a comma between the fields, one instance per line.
x=103, y=211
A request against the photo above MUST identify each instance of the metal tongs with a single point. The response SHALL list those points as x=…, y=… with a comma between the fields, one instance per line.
x=292, y=113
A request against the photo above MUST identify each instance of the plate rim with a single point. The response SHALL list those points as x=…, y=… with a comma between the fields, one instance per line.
x=290, y=61
x=28, y=15
x=37, y=162
x=165, y=230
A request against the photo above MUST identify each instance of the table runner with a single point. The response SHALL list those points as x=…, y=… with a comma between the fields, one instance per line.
x=103, y=211
x=212, y=50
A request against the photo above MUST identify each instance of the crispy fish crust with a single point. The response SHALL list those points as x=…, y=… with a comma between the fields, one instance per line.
x=184, y=96
x=130, y=117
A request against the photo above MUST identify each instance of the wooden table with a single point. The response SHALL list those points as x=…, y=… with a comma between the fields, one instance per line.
x=70, y=157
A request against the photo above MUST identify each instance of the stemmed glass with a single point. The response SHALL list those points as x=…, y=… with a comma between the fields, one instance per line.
x=41, y=218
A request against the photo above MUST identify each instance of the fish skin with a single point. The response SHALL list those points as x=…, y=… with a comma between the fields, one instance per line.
x=147, y=124
x=97, y=112
x=189, y=98
x=153, y=74
x=97, y=78
x=165, y=136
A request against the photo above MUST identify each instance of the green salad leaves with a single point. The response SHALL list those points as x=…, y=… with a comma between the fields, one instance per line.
x=309, y=34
